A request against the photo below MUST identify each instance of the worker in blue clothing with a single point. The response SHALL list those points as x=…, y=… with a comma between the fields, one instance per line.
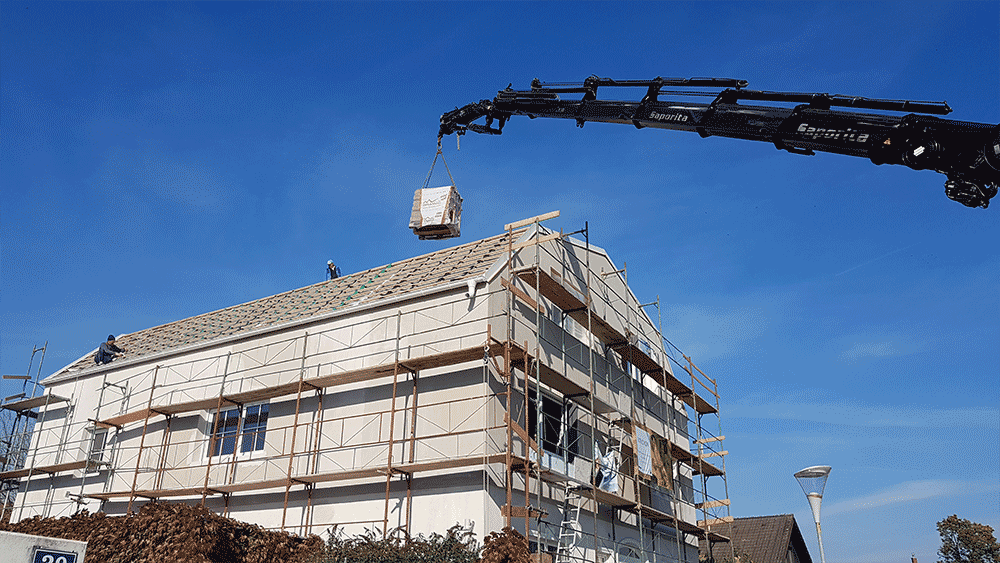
x=108, y=351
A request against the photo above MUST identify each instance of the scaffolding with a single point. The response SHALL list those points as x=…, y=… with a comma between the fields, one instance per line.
x=651, y=505
x=17, y=416
x=568, y=361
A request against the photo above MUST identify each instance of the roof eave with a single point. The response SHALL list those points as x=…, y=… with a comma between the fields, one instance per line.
x=65, y=375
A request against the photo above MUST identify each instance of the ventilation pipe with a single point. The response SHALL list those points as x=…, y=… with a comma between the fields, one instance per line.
x=471, y=287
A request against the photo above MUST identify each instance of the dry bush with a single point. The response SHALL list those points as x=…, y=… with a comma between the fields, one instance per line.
x=172, y=533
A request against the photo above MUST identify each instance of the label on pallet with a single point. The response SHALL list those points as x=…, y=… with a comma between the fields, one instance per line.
x=437, y=212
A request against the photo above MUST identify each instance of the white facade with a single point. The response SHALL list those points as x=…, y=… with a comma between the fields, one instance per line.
x=393, y=412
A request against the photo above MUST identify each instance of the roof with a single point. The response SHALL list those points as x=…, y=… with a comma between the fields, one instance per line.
x=766, y=539
x=409, y=276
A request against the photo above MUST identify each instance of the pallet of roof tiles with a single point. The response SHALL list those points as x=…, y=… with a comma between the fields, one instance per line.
x=437, y=213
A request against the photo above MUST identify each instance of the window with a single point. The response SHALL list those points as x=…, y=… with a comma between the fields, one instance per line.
x=248, y=422
x=254, y=425
x=98, y=443
x=559, y=435
x=226, y=426
x=551, y=423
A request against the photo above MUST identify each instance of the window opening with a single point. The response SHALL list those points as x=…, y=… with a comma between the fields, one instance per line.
x=98, y=442
x=551, y=419
x=246, y=425
x=254, y=427
x=559, y=435
x=225, y=427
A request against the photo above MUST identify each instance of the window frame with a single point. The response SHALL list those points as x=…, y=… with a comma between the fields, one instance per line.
x=257, y=433
x=565, y=444
x=97, y=449
x=231, y=439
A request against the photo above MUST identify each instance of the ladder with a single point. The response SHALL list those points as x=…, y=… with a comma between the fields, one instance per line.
x=570, y=532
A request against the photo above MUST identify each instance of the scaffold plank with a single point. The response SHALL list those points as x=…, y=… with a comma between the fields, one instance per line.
x=573, y=303
x=716, y=537
x=712, y=504
x=611, y=499
x=693, y=400
x=521, y=511
x=101, y=424
x=34, y=402
x=252, y=485
x=151, y=493
x=629, y=349
x=122, y=420
x=716, y=521
x=530, y=220
x=344, y=475
x=51, y=469
x=561, y=294
x=449, y=463
x=700, y=405
x=712, y=439
x=560, y=382
x=673, y=522
x=351, y=376
x=679, y=453
x=702, y=467
x=535, y=240
x=514, y=511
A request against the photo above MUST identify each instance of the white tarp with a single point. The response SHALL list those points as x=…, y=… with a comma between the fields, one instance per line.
x=607, y=474
x=643, y=457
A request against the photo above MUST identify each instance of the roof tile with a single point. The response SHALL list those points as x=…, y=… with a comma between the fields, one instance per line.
x=422, y=272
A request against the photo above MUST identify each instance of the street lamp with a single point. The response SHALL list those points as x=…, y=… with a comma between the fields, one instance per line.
x=813, y=481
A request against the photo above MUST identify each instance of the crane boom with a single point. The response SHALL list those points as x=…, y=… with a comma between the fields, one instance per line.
x=968, y=153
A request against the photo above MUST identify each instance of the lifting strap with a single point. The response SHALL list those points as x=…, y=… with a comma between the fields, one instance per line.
x=431, y=171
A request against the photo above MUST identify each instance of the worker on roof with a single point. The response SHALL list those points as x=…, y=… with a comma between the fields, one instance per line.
x=108, y=351
x=332, y=271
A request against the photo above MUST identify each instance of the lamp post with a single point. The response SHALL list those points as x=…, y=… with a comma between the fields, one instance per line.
x=813, y=481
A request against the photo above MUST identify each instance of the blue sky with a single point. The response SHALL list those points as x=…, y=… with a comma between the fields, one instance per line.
x=161, y=160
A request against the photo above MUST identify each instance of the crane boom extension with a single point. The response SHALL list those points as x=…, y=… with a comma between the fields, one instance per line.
x=968, y=153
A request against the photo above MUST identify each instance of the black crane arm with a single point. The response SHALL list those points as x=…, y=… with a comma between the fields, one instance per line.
x=968, y=153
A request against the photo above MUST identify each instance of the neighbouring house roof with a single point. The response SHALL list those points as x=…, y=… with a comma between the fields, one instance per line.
x=412, y=275
x=766, y=539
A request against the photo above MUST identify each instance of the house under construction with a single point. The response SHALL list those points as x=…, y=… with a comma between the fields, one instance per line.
x=512, y=381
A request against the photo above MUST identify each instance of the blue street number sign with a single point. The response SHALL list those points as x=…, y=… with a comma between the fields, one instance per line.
x=49, y=556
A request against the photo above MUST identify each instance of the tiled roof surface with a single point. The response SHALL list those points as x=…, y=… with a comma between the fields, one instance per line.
x=414, y=274
x=766, y=539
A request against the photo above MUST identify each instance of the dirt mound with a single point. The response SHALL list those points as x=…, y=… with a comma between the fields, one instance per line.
x=173, y=533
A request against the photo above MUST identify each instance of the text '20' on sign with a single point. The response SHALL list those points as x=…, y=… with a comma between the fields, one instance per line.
x=49, y=556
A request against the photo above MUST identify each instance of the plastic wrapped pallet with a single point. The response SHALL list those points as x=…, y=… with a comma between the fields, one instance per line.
x=437, y=213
